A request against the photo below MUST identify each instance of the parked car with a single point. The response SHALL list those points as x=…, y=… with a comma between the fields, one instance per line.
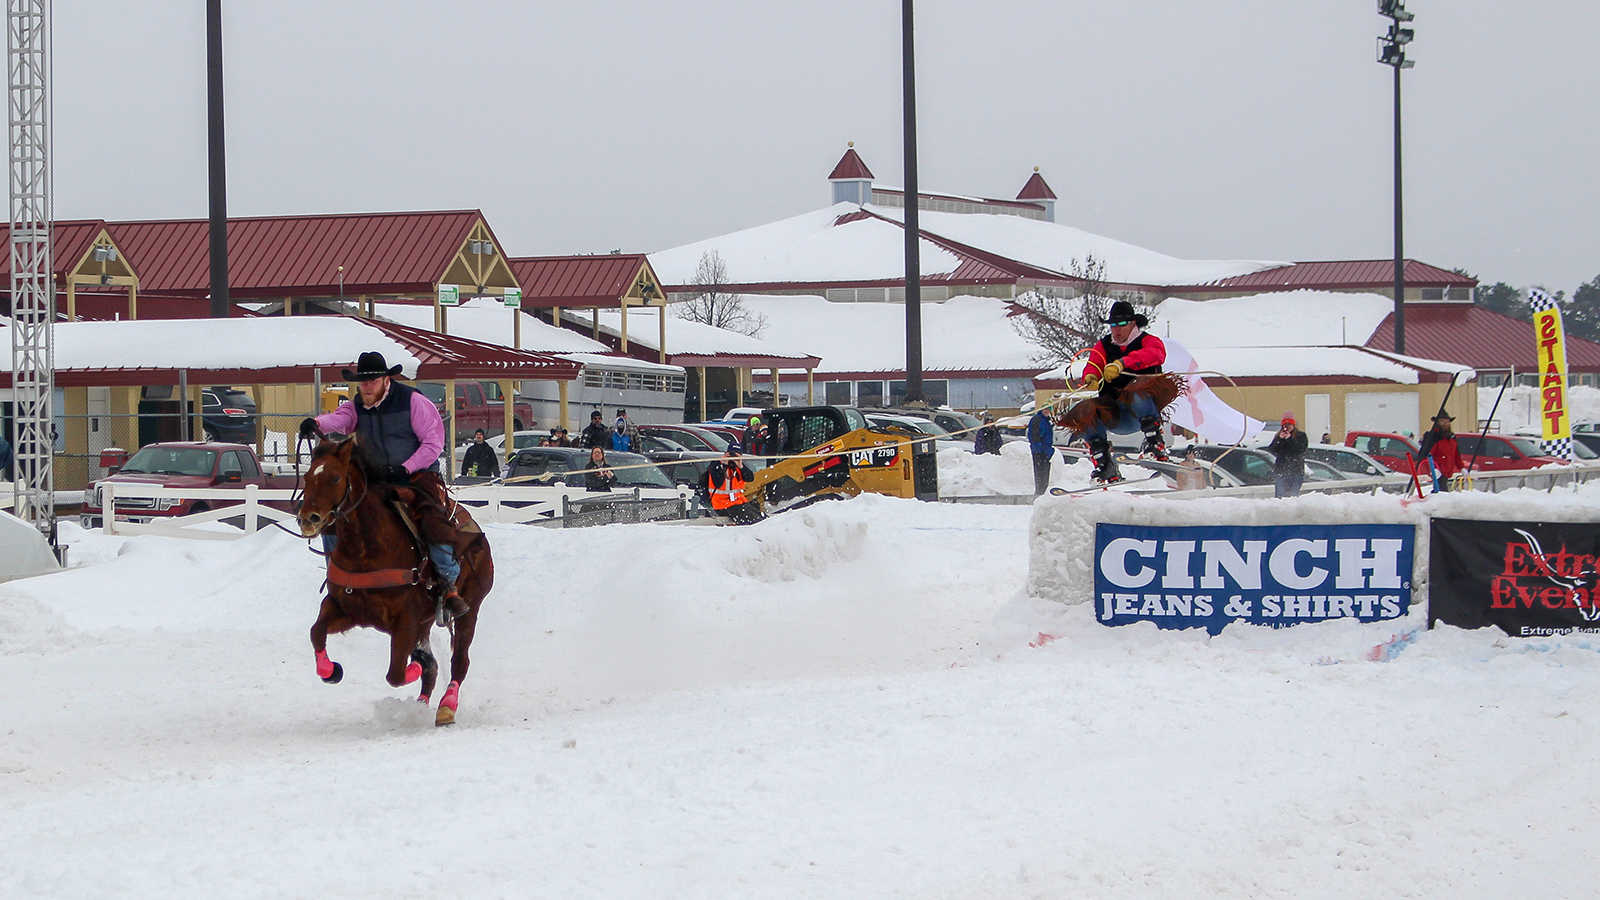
x=1587, y=439
x=478, y=405
x=958, y=426
x=1251, y=466
x=184, y=465
x=942, y=438
x=1582, y=444
x=1350, y=461
x=1385, y=447
x=692, y=437
x=228, y=415
x=556, y=465
x=1502, y=452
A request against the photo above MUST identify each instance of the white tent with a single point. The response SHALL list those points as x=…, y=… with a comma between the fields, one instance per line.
x=23, y=550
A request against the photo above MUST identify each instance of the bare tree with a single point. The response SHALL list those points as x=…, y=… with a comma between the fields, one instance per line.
x=1061, y=325
x=713, y=304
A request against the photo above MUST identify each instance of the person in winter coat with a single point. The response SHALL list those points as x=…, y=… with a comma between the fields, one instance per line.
x=1114, y=360
x=725, y=482
x=599, y=476
x=1042, y=444
x=1439, y=448
x=1288, y=448
x=597, y=434
x=625, y=425
x=480, y=461
x=620, y=441
x=1191, y=476
x=755, y=436
x=987, y=438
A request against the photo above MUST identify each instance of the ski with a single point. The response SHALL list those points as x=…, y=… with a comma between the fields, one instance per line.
x=1099, y=486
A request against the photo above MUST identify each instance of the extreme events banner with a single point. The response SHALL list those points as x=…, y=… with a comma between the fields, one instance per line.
x=1532, y=579
x=1209, y=576
x=1552, y=353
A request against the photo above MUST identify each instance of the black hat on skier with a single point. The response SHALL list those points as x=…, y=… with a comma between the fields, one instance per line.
x=1122, y=312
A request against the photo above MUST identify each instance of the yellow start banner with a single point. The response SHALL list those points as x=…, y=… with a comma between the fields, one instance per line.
x=1557, y=424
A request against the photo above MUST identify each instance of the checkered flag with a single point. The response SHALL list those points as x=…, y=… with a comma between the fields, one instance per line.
x=1540, y=300
x=1560, y=449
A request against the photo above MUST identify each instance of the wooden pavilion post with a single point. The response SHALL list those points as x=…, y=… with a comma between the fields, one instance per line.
x=508, y=397
x=133, y=301
x=624, y=323
x=661, y=314
x=261, y=425
x=561, y=392
x=811, y=397
x=450, y=435
x=72, y=300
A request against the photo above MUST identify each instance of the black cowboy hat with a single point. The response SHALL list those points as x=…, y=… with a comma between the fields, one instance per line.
x=1445, y=415
x=371, y=365
x=1122, y=311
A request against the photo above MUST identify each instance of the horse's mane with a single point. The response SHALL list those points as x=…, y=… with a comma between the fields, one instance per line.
x=360, y=457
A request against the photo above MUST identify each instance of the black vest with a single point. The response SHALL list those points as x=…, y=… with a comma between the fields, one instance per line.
x=1113, y=353
x=386, y=429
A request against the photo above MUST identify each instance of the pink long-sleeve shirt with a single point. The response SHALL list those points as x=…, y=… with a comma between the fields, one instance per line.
x=425, y=421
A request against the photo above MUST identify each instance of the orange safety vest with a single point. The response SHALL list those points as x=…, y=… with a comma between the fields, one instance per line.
x=732, y=491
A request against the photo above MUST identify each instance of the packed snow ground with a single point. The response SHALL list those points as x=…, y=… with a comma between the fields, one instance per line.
x=838, y=702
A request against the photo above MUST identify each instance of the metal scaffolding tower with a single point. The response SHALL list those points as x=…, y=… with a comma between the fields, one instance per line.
x=33, y=294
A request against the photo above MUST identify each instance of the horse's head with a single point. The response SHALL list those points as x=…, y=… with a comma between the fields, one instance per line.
x=334, y=480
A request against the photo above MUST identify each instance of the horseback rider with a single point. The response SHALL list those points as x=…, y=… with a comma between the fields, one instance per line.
x=402, y=434
x=1114, y=360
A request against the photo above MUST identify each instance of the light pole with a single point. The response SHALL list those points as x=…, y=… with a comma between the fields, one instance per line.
x=913, y=231
x=1392, y=53
x=216, y=162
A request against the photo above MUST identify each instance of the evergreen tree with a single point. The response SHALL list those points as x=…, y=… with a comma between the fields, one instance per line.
x=1581, y=317
x=1504, y=299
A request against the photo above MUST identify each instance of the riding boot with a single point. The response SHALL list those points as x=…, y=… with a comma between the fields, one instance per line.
x=1155, y=446
x=1105, y=468
x=456, y=606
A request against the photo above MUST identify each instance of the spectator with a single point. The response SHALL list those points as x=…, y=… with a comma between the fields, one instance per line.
x=620, y=440
x=627, y=427
x=5, y=458
x=725, y=481
x=1042, y=444
x=1288, y=449
x=1327, y=438
x=755, y=436
x=1440, y=450
x=597, y=434
x=1191, y=475
x=599, y=476
x=480, y=461
x=987, y=438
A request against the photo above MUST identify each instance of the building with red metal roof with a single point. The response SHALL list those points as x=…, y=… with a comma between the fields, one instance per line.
x=86, y=257
x=1424, y=283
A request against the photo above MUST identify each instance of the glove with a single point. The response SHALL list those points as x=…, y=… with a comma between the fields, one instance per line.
x=308, y=427
x=1111, y=371
x=397, y=474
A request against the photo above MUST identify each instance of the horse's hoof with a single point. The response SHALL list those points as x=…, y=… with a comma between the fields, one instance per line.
x=424, y=700
x=445, y=716
x=413, y=672
x=337, y=675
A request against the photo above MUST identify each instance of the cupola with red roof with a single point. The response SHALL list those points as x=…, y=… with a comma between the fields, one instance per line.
x=851, y=179
x=1036, y=191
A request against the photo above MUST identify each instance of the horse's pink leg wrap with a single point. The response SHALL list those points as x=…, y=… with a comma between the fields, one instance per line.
x=451, y=696
x=413, y=671
x=324, y=664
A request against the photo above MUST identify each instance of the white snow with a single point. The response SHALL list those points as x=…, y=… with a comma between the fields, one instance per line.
x=1288, y=319
x=244, y=343
x=960, y=333
x=1520, y=406
x=840, y=702
x=1054, y=246
x=491, y=323
x=685, y=336
x=965, y=474
x=806, y=248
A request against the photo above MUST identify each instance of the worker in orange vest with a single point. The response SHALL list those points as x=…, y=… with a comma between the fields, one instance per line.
x=725, y=482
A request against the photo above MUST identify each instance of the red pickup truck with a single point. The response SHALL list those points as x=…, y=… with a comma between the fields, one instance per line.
x=183, y=465
x=479, y=405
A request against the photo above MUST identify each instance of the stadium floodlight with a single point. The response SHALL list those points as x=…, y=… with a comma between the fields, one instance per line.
x=1394, y=9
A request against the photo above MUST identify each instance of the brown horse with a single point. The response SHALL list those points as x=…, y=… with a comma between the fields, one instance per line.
x=379, y=575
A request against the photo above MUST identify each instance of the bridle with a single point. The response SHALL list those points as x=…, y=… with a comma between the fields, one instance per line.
x=343, y=508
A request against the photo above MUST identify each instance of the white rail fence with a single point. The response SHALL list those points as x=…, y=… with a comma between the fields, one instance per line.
x=489, y=503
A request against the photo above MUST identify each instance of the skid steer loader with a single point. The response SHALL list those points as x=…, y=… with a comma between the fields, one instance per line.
x=823, y=451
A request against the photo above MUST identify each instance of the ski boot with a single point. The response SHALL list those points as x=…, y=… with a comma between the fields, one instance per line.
x=1105, y=468
x=1155, y=447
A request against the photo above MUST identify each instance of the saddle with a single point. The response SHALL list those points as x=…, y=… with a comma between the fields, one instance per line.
x=430, y=520
x=1161, y=387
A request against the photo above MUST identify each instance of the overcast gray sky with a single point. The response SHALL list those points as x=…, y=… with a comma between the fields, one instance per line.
x=1226, y=128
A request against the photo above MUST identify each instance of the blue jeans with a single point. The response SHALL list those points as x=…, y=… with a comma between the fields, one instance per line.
x=1288, y=485
x=442, y=555
x=1140, y=407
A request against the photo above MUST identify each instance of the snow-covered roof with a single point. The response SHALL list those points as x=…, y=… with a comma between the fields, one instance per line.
x=1049, y=245
x=620, y=363
x=807, y=248
x=1279, y=362
x=253, y=343
x=1293, y=318
x=846, y=243
x=960, y=333
x=692, y=338
x=491, y=323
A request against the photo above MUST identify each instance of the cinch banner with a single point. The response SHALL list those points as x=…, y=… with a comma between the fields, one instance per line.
x=1551, y=340
x=1206, y=576
x=1532, y=579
